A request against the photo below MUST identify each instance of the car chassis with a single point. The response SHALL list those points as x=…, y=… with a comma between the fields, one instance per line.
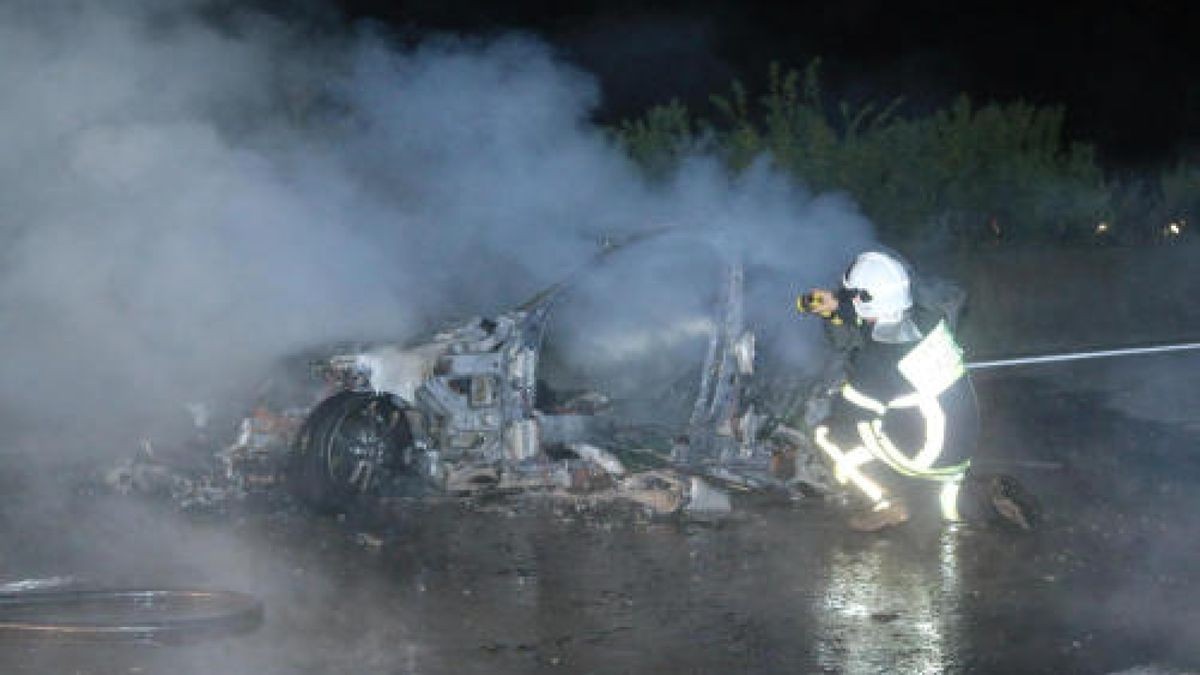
x=464, y=412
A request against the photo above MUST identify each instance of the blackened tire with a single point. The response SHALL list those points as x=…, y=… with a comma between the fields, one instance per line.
x=348, y=445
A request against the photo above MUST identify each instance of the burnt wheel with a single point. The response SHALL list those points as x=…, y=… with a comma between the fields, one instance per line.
x=349, y=443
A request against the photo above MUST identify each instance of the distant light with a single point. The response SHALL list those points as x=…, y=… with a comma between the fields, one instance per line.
x=1174, y=229
x=1102, y=228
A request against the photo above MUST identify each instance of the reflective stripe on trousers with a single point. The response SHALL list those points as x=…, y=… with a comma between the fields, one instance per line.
x=846, y=465
x=876, y=445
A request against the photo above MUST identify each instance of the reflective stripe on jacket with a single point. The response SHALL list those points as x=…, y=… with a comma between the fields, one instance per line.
x=910, y=406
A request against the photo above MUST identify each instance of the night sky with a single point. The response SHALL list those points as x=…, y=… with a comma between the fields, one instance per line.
x=1124, y=70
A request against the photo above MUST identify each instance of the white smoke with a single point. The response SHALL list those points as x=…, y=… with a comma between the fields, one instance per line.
x=183, y=199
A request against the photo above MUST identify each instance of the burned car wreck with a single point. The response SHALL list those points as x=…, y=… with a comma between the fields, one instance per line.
x=467, y=411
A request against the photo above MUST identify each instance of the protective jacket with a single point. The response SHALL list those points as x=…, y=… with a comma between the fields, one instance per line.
x=905, y=414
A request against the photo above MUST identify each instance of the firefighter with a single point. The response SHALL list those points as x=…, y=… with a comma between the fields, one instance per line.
x=900, y=429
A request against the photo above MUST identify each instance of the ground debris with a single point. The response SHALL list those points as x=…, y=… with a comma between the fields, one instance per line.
x=368, y=540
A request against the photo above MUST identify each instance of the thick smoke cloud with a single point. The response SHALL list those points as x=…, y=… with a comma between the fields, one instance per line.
x=184, y=199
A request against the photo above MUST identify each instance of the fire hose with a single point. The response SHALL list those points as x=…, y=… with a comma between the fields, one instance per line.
x=808, y=303
x=1082, y=355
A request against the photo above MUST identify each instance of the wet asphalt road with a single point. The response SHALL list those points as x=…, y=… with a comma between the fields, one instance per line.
x=1109, y=584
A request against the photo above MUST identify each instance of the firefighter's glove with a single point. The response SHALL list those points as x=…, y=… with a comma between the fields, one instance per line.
x=809, y=303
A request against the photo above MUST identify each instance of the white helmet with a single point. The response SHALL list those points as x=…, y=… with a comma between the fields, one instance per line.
x=884, y=286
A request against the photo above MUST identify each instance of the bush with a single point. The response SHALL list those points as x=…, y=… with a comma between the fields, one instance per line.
x=967, y=174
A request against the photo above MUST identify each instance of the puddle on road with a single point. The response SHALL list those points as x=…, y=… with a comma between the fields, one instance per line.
x=529, y=587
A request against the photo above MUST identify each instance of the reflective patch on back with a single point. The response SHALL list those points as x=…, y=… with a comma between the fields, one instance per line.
x=935, y=363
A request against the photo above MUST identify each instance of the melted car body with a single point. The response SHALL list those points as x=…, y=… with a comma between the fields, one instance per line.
x=469, y=409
